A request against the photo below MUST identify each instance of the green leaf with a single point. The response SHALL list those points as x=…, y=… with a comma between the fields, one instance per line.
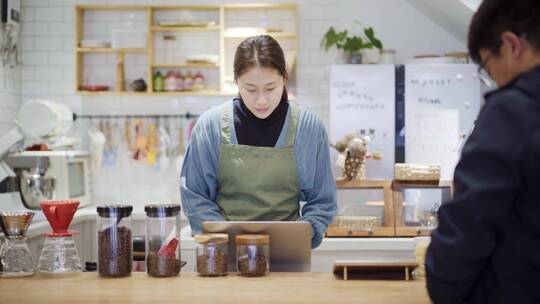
x=342, y=40
x=370, y=34
x=332, y=38
x=329, y=39
x=353, y=44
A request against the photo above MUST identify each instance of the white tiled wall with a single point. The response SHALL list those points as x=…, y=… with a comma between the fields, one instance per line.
x=48, y=71
x=10, y=86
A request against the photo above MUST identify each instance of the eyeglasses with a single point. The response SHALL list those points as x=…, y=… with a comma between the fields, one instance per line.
x=484, y=75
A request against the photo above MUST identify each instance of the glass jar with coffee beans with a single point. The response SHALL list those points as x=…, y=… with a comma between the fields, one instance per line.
x=212, y=254
x=115, y=247
x=163, y=240
x=253, y=254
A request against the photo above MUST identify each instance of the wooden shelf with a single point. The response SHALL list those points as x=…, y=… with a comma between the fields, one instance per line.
x=192, y=93
x=421, y=184
x=185, y=7
x=155, y=30
x=102, y=7
x=213, y=28
x=111, y=93
x=362, y=184
x=182, y=93
x=413, y=231
x=110, y=50
x=186, y=65
x=334, y=231
x=276, y=35
x=259, y=6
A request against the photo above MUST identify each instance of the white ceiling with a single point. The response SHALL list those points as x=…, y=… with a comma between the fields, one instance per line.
x=452, y=15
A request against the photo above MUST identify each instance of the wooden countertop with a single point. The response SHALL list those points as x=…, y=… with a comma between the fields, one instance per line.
x=275, y=288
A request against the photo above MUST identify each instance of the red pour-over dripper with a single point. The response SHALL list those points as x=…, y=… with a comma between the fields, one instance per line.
x=59, y=214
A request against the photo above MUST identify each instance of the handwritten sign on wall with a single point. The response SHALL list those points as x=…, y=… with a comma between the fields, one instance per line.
x=362, y=98
x=441, y=104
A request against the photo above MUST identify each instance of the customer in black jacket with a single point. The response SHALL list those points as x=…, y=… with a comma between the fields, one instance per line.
x=487, y=246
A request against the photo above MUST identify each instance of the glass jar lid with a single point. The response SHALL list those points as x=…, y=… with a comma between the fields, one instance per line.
x=212, y=238
x=252, y=239
x=165, y=210
x=114, y=210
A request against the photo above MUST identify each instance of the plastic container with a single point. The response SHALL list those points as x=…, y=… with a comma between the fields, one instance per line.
x=163, y=240
x=212, y=254
x=115, y=246
x=253, y=254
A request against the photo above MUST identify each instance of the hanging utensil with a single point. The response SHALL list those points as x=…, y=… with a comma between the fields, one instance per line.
x=153, y=144
x=164, y=143
x=141, y=141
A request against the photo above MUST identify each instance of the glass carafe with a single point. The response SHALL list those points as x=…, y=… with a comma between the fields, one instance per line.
x=15, y=257
x=59, y=254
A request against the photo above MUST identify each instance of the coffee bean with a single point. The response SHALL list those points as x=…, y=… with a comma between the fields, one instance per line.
x=252, y=266
x=162, y=266
x=115, y=252
x=212, y=264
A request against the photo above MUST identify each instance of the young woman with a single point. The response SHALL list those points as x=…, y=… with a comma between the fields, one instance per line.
x=255, y=158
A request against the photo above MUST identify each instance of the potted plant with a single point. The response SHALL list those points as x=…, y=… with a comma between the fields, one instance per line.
x=352, y=46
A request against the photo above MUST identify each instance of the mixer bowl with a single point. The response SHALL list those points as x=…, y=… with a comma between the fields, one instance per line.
x=35, y=188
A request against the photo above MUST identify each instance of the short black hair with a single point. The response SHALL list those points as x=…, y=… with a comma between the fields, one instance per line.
x=522, y=17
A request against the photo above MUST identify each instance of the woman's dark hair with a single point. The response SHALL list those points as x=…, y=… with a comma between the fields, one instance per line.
x=263, y=51
x=522, y=17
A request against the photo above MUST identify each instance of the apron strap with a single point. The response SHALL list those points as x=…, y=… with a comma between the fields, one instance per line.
x=291, y=132
x=226, y=123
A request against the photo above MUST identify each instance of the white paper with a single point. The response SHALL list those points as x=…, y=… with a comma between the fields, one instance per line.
x=432, y=139
x=442, y=102
x=362, y=97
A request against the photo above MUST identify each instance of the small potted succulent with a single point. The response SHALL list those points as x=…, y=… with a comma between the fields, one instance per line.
x=351, y=45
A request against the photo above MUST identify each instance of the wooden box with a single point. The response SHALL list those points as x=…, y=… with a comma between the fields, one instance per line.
x=399, y=210
x=362, y=227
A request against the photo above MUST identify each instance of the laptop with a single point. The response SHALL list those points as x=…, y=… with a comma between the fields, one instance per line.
x=290, y=242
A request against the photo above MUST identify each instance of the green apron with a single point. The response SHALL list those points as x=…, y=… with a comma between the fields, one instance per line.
x=258, y=183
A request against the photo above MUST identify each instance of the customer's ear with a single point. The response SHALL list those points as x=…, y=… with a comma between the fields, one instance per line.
x=514, y=43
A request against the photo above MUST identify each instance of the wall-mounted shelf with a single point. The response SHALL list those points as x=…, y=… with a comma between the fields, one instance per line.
x=111, y=50
x=156, y=27
x=181, y=93
x=186, y=65
x=259, y=6
x=213, y=28
x=276, y=35
x=111, y=93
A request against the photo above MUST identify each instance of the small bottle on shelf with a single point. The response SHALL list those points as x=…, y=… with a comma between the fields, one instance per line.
x=188, y=81
x=158, y=82
x=170, y=81
x=179, y=81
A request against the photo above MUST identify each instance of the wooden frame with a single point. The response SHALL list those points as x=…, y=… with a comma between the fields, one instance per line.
x=447, y=188
x=149, y=50
x=387, y=229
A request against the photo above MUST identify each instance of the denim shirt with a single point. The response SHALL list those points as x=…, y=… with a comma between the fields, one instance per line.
x=199, y=177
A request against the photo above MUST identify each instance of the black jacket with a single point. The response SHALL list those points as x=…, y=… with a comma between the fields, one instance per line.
x=487, y=246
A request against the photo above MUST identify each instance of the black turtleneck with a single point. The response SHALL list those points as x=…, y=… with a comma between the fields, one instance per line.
x=253, y=131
